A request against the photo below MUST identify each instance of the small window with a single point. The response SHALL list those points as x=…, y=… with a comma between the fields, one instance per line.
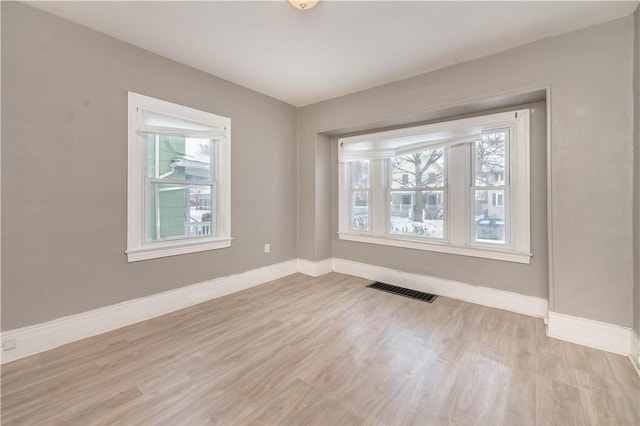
x=498, y=200
x=178, y=182
x=490, y=160
x=360, y=195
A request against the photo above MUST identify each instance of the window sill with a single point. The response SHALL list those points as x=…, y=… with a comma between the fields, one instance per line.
x=176, y=248
x=487, y=253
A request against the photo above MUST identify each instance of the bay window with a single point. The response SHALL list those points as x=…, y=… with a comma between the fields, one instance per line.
x=459, y=187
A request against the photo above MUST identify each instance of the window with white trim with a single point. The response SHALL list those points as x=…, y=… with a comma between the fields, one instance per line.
x=178, y=179
x=459, y=187
x=360, y=191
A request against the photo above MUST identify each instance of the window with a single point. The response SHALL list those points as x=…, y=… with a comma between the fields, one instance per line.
x=459, y=187
x=489, y=167
x=418, y=180
x=178, y=180
x=359, y=189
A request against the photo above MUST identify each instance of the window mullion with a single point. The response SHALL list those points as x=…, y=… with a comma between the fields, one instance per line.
x=157, y=210
x=519, y=188
x=378, y=197
x=458, y=208
x=181, y=181
x=507, y=205
x=344, y=204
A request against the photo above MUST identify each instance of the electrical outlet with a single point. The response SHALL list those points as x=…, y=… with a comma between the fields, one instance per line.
x=267, y=248
x=9, y=344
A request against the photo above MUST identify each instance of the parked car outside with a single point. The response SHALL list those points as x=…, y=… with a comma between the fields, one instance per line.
x=490, y=229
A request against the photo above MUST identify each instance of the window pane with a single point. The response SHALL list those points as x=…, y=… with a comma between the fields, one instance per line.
x=360, y=174
x=180, y=211
x=425, y=168
x=360, y=211
x=489, y=219
x=178, y=158
x=417, y=213
x=490, y=159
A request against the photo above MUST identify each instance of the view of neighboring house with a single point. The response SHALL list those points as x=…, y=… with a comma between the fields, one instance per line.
x=491, y=185
x=418, y=190
x=178, y=208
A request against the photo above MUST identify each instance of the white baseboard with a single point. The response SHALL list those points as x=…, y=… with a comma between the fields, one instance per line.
x=506, y=300
x=315, y=269
x=41, y=337
x=635, y=351
x=594, y=334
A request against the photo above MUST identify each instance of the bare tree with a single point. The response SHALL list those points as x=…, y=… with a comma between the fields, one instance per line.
x=419, y=167
x=490, y=157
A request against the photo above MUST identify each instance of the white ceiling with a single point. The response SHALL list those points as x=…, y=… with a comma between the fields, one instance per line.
x=336, y=48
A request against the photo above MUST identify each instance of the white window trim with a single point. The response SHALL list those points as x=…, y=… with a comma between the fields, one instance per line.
x=458, y=223
x=137, y=248
x=431, y=245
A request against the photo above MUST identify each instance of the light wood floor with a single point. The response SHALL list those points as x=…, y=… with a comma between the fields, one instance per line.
x=325, y=350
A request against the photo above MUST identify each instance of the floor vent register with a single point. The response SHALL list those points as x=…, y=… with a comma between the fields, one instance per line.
x=406, y=292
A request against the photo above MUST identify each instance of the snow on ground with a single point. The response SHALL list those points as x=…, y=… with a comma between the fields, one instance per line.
x=197, y=214
x=426, y=228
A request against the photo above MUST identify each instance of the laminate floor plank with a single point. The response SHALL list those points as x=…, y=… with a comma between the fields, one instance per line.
x=551, y=361
x=35, y=405
x=59, y=382
x=290, y=398
x=628, y=381
x=558, y=403
x=78, y=352
x=142, y=410
x=323, y=412
x=88, y=407
x=19, y=367
x=325, y=350
x=608, y=407
x=217, y=407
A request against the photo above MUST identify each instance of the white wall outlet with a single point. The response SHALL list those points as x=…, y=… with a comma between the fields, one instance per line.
x=267, y=248
x=9, y=344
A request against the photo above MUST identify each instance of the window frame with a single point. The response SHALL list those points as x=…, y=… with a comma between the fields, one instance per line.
x=424, y=188
x=459, y=232
x=138, y=248
x=506, y=187
x=352, y=191
x=212, y=183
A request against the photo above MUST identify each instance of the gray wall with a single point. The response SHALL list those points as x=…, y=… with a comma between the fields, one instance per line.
x=636, y=180
x=64, y=114
x=590, y=75
x=64, y=169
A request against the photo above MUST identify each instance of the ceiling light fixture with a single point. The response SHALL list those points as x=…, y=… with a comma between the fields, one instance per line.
x=303, y=4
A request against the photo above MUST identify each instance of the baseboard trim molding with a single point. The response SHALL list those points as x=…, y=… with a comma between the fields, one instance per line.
x=594, y=334
x=315, y=269
x=41, y=337
x=635, y=351
x=501, y=299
